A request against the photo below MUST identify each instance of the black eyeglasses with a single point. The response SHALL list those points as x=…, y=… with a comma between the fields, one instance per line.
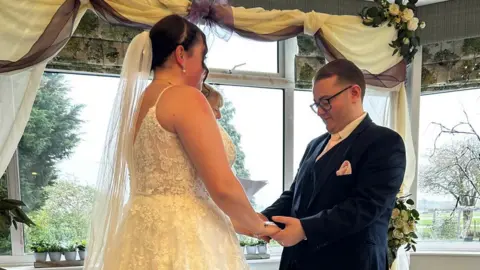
x=324, y=103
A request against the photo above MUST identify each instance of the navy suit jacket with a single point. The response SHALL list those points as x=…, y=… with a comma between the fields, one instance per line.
x=345, y=218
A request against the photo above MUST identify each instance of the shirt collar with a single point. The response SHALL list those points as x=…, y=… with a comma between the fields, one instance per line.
x=348, y=129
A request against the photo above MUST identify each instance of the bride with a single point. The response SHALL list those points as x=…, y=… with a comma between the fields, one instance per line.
x=166, y=195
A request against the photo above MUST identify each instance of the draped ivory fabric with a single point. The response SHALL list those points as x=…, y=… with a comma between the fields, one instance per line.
x=23, y=22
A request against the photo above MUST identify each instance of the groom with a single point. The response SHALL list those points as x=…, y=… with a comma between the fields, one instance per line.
x=335, y=215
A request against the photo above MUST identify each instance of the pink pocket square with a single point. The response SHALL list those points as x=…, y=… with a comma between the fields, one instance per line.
x=345, y=169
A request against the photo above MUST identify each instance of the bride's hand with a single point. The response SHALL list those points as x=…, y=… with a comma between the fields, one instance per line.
x=269, y=229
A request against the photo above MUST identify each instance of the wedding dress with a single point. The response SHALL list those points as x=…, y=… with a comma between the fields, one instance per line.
x=170, y=220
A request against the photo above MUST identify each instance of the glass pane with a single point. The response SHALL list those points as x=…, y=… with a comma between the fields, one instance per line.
x=308, y=60
x=249, y=55
x=307, y=125
x=449, y=171
x=59, y=154
x=258, y=134
x=5, y=240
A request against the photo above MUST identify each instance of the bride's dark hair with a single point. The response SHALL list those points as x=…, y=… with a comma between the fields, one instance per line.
x=171, y=32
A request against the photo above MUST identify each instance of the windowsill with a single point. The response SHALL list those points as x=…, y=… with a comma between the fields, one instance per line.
x=273, y=259
x=447, y=253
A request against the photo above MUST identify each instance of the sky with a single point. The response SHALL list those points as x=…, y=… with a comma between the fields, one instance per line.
x=258, y=118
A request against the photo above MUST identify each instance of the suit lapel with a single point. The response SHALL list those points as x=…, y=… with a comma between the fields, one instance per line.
x=326, y=166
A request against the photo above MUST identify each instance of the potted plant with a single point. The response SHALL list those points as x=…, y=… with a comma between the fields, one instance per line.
x=251, y=245
x=82, y=249
x=70, y=252
x=55, y=252
x=40, y=250
x=262, y=247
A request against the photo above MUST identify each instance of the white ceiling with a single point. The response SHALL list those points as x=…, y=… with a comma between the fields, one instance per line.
x=421, y=2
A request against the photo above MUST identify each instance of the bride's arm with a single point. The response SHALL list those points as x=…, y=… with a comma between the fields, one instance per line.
x=195, y=124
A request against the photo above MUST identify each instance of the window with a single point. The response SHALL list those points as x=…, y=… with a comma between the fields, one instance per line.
x=253, y=117
x=449, y=171
x=59, y=154
x=307, y=125
x=261, y=56
x=449, y=147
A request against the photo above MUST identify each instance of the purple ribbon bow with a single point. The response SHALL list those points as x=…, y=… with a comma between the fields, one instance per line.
x=216, y=14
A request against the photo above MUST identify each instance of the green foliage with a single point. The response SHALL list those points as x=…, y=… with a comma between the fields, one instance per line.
x=471, y=46
x=307, y=46
x=82, y=246
x=65, y=217
x=50, y=136
x=12, y=213
x=38, y=247
x=306, y=73
x=428, y=77
x=407, y=40
x=446, y=58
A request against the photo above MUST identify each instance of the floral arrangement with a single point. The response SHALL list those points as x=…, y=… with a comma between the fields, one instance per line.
x=402, y=227
x=402, y=17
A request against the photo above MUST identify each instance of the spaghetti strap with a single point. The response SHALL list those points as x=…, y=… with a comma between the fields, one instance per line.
x=160, y=95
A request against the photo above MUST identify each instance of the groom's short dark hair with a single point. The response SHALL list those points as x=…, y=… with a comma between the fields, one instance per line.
x=346, y=71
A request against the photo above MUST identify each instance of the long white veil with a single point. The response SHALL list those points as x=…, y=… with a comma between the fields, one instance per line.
x=114, y=174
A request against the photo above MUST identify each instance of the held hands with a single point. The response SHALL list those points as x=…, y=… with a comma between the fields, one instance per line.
x=292, y=234
x=269, y=229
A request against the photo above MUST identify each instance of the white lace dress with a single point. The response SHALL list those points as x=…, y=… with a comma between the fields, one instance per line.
x=170, y=220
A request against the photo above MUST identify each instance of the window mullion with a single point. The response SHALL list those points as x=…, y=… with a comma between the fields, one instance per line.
x=13, y=178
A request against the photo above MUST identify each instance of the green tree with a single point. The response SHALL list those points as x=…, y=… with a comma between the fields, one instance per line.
x=65, y=216
x=228, y=112
x=51, y=135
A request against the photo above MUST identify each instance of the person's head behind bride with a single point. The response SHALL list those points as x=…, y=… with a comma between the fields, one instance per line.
x=214, y=98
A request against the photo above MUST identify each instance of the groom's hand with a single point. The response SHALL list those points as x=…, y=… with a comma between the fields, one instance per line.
x=292, y=234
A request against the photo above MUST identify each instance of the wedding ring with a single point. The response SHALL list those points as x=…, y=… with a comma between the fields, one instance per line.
x=268, y=223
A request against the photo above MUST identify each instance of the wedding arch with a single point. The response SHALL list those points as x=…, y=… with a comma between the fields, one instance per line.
x=35, y=31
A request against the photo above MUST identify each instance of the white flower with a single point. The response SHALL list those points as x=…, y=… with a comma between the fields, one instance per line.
x=407, y=15
x=422, y=25
x=397, y=234
x=406, y=41
x=394, y=9
x=398, y=223
x=412, y=226
x=412, y=25
x=403, y=242
x=395, y=213
x=398, y=20
x=406, y=230
x=405, y=215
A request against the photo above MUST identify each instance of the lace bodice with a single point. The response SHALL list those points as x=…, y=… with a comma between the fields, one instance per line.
x=161, y=164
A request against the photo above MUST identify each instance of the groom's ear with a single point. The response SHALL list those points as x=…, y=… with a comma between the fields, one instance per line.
x=356, y=93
